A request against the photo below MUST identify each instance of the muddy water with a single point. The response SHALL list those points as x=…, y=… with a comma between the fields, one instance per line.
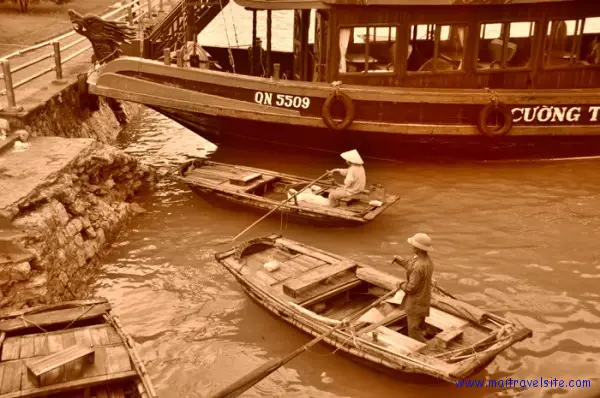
x=520, y=239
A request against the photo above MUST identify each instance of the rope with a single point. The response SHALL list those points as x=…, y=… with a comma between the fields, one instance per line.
x=229, y=52
x=27, y=321
x=493, y=96
x=79, y=316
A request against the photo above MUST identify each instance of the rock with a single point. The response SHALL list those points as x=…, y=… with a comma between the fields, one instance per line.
x=61, y=256
x=78, y=240
x=86, y=222
x=136, y=208
x=61, y=212
x=90, y=249
x=70, y=229
x=63, y=278
x=78, y=224
x=90, y=233
x=20, y=271
x=22, y=134
x=109, y=183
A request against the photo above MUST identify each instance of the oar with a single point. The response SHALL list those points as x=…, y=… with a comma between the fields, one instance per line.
x=243, y=384
x=276, y=207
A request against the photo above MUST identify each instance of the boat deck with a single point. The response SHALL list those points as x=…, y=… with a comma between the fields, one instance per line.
x=35, y=336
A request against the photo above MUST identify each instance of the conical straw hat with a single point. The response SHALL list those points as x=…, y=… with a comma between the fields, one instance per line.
x=352, y=157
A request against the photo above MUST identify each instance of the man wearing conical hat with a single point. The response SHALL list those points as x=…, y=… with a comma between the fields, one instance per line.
x=417, y=289
x=355, y=180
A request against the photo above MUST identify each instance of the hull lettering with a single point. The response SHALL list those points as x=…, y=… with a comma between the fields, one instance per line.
x=282, y=100
x=550, y=114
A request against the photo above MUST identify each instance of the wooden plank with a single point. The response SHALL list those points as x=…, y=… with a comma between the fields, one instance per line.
x=11, y=379
x=245, y=178
x=99, y=366
x=53, y=361
x=83, y=337
x=445, y=337
x=322, y=291
x=99, y=336
x=308, y=251
x=298, y=265
x=27, y=347
x=77, y=384
x=44, y=308
x=26, y=381
x=394, y=316
x=1, y=374
x=296, y=286
x=53, y=317
x=443, y=321
x=266, y=278
x=308, y=262
x=55, y=344
x=40, y=345
x=113, y=336
x=11, y=349
x=73, y=370
x=398, y=340
x=117, y=359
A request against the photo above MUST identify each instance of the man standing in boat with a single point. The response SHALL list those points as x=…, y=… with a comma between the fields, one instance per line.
x=355, y=181
x=419, y=272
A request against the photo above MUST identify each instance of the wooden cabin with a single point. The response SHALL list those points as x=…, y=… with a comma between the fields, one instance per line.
x=520, y=44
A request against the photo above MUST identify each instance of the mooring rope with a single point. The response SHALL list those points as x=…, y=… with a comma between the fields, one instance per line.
x=229, y=52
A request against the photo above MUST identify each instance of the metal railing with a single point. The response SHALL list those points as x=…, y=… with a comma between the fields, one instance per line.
x=7, y=71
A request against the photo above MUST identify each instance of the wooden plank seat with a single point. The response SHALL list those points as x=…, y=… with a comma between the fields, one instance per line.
x=263, y=181
x=396, y=341
x=443, y=320
x=444, y=338
x=244, y=178
x=296, y=286
x=41, y=366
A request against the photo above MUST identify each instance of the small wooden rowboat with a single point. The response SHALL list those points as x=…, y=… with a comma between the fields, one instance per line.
x=71, y=349
x=264, y=189
x=315, y=290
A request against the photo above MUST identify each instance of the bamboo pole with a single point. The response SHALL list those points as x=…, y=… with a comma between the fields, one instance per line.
x=279, y=205
x=137, y=363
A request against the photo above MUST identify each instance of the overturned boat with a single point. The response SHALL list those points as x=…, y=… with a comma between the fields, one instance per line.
x=315, y=290
x=265, y=190
x=73, y=349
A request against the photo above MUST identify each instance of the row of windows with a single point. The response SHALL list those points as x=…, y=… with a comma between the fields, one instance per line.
x=437, y=48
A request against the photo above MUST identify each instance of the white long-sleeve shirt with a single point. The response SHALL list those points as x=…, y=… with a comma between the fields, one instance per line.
x=356, y=179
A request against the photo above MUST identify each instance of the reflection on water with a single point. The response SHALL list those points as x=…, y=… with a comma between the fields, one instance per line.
x=515, y=238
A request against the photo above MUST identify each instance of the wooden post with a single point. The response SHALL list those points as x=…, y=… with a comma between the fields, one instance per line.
x=189, y=14
x=167, y=56
x=149, y=3
x=58, y=62
x=269, y=23
x=276, y=71
x=254, y=52
x=10, y=92
x=160, y=7
x=141, y=29
x=180, y=58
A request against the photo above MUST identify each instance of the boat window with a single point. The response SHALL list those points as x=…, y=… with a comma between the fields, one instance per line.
x=436, y=48
x=367, y=49
x=505, y=45
x=573, y=42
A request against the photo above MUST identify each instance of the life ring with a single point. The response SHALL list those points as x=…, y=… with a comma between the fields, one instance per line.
x=348, y=107
x=500, y=130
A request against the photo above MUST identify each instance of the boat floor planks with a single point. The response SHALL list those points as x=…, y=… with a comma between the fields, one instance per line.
x=328, y=289
x=113, y=365
x=265, y=190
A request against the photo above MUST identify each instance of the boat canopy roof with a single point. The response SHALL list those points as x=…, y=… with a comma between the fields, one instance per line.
x=321, y=4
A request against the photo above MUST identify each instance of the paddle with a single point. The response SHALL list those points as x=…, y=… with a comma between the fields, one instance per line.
x=243, y=384
x=276, y=207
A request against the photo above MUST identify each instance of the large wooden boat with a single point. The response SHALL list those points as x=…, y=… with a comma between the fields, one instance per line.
x=72, y=349
x=315, y=290
x=395, y=79
x=264, y=190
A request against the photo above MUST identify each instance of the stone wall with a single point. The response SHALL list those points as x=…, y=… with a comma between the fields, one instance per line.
x=64, y=116
x=67, y=221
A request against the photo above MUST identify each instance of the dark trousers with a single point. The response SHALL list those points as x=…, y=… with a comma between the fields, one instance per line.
x=416, y=327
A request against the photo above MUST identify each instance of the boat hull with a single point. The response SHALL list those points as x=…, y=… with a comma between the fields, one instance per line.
x=385, y=122
x=227, y=131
